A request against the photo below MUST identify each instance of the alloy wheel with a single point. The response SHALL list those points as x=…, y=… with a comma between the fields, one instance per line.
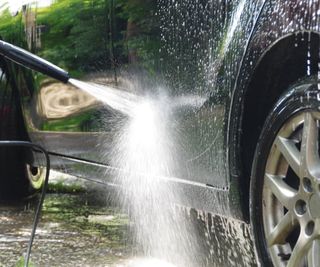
x=291, y=193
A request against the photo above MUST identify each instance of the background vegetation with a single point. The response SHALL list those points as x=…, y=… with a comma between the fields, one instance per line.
x=89, y=35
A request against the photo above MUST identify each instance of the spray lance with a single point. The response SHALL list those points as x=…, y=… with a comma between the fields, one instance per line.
x=107, y=94
x=31, y=61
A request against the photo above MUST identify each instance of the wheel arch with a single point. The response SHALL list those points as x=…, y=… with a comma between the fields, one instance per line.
x=282, y=64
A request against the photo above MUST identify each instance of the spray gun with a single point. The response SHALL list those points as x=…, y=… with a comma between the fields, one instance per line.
x=29, y=60
x=116, y=99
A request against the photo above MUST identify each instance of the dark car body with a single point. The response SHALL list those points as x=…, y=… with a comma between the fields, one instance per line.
x=238, y=57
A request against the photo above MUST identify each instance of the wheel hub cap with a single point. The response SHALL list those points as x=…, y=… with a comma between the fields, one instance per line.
x=291, y=193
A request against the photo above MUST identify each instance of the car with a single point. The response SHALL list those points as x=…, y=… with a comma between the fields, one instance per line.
x=243, y=77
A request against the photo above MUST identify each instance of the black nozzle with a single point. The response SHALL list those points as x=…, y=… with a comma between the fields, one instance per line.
x=32, y=61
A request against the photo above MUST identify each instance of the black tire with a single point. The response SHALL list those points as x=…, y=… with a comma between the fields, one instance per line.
x=300, y=100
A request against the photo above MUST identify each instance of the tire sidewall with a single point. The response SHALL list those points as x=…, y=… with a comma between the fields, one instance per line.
x=300, y=98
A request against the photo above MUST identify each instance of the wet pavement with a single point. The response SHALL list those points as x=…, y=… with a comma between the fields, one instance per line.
x=81, y=225
x=78, y=227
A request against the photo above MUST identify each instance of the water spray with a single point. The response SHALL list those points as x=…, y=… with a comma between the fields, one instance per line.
x=145, y=150
x=119, y=100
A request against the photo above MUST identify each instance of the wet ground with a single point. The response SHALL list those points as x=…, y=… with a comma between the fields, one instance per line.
x=81, y=226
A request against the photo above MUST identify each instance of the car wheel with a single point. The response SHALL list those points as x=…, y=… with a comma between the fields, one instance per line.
x=285, y=181
x=18, y=179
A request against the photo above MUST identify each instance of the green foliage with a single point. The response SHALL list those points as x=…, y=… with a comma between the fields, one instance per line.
x=77, y=34
x=21, y=263
x=145, y=41
x=89, y=35
x=61, y=187
x=10, y=27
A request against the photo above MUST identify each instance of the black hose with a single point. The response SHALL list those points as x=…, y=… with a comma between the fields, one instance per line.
x=32, y=61
x=43, y=192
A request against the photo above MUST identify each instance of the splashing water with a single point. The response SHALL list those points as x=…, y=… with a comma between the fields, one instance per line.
x=148, y=262
x=117, y=99
x=145, y=151
x=146, y=147
x=126, y=102
x=144, y=154
x=199, y=39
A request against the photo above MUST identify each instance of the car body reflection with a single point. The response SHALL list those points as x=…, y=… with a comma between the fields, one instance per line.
x=232, y=60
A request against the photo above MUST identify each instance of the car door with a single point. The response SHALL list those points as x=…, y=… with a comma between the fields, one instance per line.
x=190, y=51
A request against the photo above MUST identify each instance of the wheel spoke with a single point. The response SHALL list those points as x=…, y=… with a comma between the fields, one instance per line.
x=314, y=254
x=283, y=192
x=299, y=252
x=290, y=152
x=282, y=230
x=309, y=147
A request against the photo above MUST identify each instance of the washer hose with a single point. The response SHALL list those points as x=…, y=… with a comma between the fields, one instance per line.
x=31, y=61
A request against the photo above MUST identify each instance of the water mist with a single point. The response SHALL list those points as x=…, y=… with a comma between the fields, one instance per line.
x=145, y=153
